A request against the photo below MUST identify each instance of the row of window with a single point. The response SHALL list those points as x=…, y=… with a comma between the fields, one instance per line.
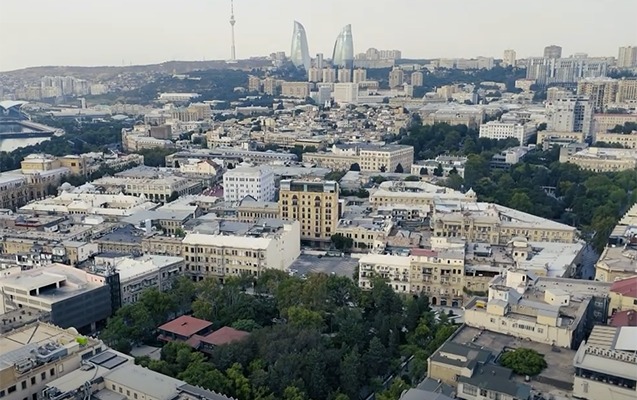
x=24, y=384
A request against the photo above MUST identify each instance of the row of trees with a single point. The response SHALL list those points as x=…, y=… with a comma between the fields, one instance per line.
x=318, y=338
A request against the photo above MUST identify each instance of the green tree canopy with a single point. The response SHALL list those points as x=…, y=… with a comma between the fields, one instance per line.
x=524, y=361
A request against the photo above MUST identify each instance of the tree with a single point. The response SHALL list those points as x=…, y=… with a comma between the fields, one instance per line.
x=179, y=232
x=524, y=361
x=383, y=168
x=351, y=377
x=376, y=358
x=301, y=317
x=412, y=178
x=335, y=175
x=439, y=171
x=341, y=242
x=423, y=171
x=355, y=167
x=398, y=386
x=247, y=325
x=399, y=169
x=173, y=196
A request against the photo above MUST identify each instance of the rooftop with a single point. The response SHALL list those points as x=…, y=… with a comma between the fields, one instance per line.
x=224, y=335
x=625, y=287
x=185, y=326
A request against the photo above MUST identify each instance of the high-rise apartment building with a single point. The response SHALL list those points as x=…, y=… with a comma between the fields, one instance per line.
x=257, y=182
x=396, y=77
x=344, y=75
x=360, y=75
x=319, y=62
x=314, y=204
x=314, y=75
x=600, y=91
x=553, y=51
x=300, y=53
x=254, y=83
x=570, y=114
x=329, y=75
x=564, y=70
x=417, y=78
x=343, y=54
x=509, y=58
x=299, y=90
x=627, y=57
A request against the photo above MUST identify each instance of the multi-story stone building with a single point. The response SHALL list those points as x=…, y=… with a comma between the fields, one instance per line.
x=600, y=159
x=34, y=355
x=250, y=249
x=446, y=164
x=257, y=182
x=604, y=122
x=389, y=158
x=570, y=114
x=299, y=90
x=627, y=57
x=495, y=224
x=415, y=193
x=628, y=141
x=158, y=188
x=314, y=204
x=504, y=130
x=556, y=311
x=134, y=275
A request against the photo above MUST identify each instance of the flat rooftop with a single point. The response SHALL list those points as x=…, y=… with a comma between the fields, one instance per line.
x=558, y=376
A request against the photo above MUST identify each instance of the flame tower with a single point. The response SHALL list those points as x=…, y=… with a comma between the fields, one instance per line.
x=233, y=54
x=343, y=55
x=300, y=53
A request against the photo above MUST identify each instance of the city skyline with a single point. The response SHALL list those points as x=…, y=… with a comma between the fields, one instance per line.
x=113, y=33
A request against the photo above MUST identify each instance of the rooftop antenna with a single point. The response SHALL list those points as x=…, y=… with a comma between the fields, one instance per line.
x=233, y=55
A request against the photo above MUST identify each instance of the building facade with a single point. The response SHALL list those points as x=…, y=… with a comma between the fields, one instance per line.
x=314, y=204
x=257, y=182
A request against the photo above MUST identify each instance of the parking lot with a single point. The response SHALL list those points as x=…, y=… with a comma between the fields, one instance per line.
x=306, y=264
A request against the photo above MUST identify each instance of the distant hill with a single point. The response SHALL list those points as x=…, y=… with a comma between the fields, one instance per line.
x=105, y=72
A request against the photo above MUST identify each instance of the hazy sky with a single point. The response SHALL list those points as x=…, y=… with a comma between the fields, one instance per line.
x=110, y=32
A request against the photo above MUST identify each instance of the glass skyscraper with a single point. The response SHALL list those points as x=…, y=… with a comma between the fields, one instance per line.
x=300, y=54
x=343, y=55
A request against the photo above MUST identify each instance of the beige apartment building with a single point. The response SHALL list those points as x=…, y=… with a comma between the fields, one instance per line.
x=23, y=374
x=554, y=311
x=604, y=122
x=337, y=162
x=366, y=233
x=299, y=90
x=252, y=211
x=162, y=245
x=315, y=204
x=158, y=189
x=387, y=158
x=495, y=224
x=623, y=295
x=393, y=193
x=598, y=159
x=261, y=248
x=439, y=274
x=605, y=91
x=628, y=141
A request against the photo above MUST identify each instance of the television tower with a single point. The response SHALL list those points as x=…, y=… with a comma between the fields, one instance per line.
x=233, y=54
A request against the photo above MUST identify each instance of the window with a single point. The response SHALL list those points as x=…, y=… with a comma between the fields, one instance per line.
x=468, y=389
x=11, y=389
x=24, y=385
x=33, y=380
x=43, y=376
x=128, y=393
x=113, y=387
x=134, y=395
x=52, y=372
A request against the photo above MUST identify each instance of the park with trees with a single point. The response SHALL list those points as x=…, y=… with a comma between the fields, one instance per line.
x=316, y=338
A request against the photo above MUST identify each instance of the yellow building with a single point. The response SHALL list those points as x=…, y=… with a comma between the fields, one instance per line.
x=387, y=158
x=628, y=141
x=623, y=295
x=337, y=162
x=314, y=204
x=391, y=193
x=495, y=224
x=604, y=122
x=299, y=90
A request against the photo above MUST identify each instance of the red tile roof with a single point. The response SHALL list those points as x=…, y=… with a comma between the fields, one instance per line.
x=626, y=287
x=224, y=335
x=624, y=318
x=185, y=326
